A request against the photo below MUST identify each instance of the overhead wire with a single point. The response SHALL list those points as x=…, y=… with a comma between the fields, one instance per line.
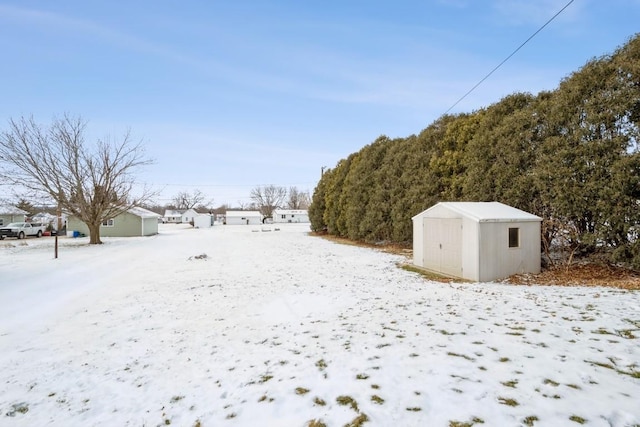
x=508, y=57
x=447, y=111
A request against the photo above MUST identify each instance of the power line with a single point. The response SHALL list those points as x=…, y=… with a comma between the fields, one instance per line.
x=509, y=57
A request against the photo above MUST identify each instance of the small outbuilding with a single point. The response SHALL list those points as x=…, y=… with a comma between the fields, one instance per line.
x=243, y=218
x=203, y=221
x=479, y=241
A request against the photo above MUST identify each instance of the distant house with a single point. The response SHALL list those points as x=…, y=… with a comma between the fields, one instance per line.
x=290, y=215
x=188, y=216
x=172, y=216
x=480, y=241
x=243, y=218
x=135, y=222
x=9, y=214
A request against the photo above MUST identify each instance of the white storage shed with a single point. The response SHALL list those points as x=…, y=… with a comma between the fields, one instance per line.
x=203, y=221
x=243, y=218
x=479, y=241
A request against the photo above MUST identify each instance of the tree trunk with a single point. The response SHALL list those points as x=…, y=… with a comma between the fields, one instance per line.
x=94, y=234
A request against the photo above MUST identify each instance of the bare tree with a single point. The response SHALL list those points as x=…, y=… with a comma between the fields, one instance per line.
x=298, y=199
x=268, y=198
x=185, y=200
x=94, y=183
x=222, y=209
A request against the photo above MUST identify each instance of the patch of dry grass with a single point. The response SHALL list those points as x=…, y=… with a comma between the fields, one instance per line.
x=392, y=248
x=586, y=273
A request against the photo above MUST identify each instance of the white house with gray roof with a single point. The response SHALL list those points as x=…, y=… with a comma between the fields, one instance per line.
x=172, y=216
x=290, y=216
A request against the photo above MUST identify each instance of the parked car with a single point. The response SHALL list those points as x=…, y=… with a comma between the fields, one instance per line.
x=22, y=230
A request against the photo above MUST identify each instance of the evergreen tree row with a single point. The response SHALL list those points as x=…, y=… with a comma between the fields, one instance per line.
x=570, y=156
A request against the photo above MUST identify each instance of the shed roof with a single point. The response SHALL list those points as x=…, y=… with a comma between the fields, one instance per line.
x=487, y=211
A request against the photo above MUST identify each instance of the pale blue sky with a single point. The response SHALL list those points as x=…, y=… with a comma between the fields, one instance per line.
x=230, y=95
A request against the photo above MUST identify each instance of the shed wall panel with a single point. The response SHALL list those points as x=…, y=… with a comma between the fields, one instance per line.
x=149, y=226
x=418, y=242
x=249, y=220
x=203, y=221
x=498, y=259
x=431, y=244
x=470, y=254
x=443, y=245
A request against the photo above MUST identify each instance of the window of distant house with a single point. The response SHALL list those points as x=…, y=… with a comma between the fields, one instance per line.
x=284, y=216
x=1, y=221
x=107, y=223
x=514, y=237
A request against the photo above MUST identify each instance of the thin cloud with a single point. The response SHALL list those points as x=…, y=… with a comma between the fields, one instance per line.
x=82, y=28
x=409, y=79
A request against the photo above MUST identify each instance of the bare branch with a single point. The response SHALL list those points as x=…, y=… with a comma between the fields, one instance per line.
x=185, y=200
x=268, y=198
x=298, y=199
x=94, y=183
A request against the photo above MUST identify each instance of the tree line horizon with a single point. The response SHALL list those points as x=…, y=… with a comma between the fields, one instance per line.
x=569, y=155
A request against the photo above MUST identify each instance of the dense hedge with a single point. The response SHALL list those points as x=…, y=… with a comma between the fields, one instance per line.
x=569, y=155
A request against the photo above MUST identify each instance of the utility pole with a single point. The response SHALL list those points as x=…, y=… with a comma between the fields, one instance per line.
x=59, y=215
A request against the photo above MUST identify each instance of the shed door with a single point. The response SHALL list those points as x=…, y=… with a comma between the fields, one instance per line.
x=443, y=245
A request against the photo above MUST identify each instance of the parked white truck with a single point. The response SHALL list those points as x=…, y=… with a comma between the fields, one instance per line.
x=22, y=230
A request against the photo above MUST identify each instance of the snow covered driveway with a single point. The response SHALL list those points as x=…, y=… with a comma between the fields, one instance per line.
x=280, y=328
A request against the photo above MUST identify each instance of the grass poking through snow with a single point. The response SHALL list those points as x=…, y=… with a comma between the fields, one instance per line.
x=348, y=401
x=377, y=399
x=577, y=419
x=508, y=401
x=301, y=391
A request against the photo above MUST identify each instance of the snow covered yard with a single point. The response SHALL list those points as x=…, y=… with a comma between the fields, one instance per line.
x=278, y=328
